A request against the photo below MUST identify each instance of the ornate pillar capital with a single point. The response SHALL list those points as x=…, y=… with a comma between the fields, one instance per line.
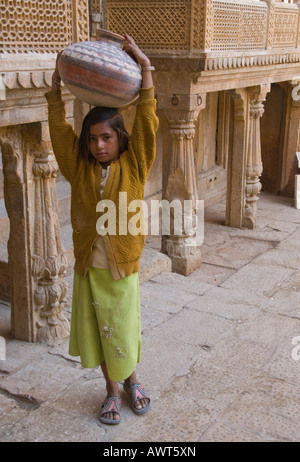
x=257, y=96
x=45, y=167
x=181, y=109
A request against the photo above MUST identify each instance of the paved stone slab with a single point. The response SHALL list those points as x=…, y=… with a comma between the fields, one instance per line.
x=151, y=317
x=19, y=354
x=285, y=303
x=211, y=274
x=257, y=279
x=282, y=364
x=277, y=257
x=51, y=375
x=84, y=397
x=168, y=299
x=176, y=344
x=50, y=425
x=234, y=253
x=261, y=413
x=238, y=359
x=265, y=234
x=11, y=411
x=292, y=242
x=216, y=234
x=225, y=303
x=179, y=282
x=266, y=328
x=153, y=263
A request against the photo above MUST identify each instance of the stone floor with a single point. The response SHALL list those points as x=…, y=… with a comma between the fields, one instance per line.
x=220, y=350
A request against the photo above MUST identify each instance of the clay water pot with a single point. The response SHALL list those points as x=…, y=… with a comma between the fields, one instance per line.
x=100, y=73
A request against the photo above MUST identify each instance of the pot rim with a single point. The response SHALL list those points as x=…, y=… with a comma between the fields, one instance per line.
x=102, y=33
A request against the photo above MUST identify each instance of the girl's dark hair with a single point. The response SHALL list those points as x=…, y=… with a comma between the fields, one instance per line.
x=99, y=115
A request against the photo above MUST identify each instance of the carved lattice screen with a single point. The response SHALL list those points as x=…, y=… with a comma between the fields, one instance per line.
x=95, y=6
x=284, y=22
x=239, y=26
x=42, y=26
x=156, y=25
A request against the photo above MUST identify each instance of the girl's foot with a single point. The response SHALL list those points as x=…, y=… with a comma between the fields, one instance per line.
x=111, y=411
x=140, y=401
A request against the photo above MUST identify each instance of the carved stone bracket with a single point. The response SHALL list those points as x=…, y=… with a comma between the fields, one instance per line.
x=25, y=79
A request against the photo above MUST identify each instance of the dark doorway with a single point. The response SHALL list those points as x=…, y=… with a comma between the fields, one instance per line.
x=272, y=138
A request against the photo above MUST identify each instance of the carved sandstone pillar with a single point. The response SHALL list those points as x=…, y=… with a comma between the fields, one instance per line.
x=181, y=182
x=256, y=96
x=245, y=166
x=48, y=260
x=236, y=159
x=35, y=252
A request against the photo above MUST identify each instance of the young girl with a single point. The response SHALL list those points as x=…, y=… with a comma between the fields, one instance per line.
x=100, y=163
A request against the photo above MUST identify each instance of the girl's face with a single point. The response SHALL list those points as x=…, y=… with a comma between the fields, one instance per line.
x=103, y=143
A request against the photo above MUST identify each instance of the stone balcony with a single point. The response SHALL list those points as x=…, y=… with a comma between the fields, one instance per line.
x=218, y=40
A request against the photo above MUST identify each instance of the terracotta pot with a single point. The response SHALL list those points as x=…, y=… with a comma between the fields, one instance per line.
x=100, y=73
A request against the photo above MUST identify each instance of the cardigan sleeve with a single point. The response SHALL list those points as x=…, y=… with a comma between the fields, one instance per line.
x=63, y=138
x=142, y=145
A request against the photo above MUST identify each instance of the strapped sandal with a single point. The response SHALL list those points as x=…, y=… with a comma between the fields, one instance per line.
x=111, y=404
x=136, y=392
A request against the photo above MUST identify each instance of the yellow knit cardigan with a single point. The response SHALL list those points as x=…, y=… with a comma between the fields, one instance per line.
x=128, y=174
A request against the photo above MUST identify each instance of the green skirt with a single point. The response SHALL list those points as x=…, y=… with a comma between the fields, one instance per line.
x=106, y=322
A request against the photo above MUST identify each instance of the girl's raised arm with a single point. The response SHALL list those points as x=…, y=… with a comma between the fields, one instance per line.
x=142, y=140
x=63, y=138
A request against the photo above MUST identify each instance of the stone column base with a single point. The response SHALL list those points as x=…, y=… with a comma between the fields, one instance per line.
x=186, y=265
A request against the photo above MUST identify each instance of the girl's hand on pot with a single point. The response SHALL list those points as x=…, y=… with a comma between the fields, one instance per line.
x=135, y=52
x=55, y=76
